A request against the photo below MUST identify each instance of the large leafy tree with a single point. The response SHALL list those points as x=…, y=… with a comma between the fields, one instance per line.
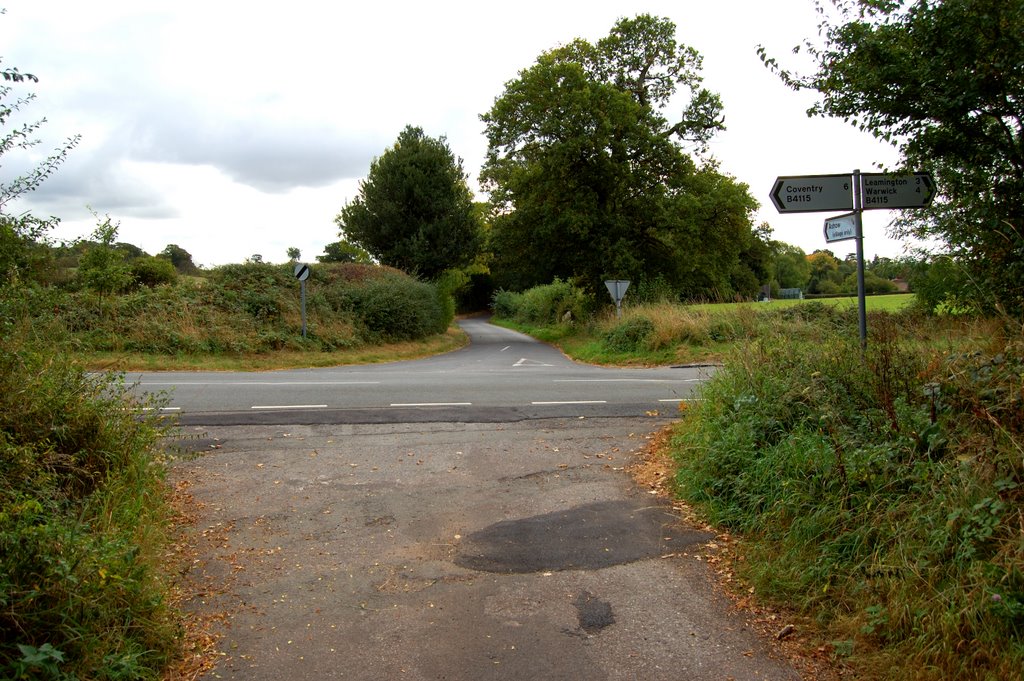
x=790, y=265
x=589, y=177
x=414, y=210
x=943, y=80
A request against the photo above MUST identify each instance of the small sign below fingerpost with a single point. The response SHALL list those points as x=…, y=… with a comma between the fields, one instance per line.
x=841, y=228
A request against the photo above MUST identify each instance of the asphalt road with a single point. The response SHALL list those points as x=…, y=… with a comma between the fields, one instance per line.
x=467, y=516
x=470, y=552
x=501, y=376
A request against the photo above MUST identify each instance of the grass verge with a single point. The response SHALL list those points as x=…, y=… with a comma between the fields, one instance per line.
x=878, y=493
x=659, y=334
x=453, y=339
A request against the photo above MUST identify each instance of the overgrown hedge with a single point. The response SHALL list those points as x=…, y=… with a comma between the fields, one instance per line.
x=248, y=308
x=881, y=491
x=81, y=516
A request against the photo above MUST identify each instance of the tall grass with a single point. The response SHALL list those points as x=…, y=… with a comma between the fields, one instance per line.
x=881, y=491
x=81, y=524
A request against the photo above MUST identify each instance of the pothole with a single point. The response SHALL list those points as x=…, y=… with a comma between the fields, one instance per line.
x=592, y=613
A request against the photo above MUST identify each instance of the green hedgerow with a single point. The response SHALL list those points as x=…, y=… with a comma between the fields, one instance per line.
x=81, y=525
x=880, y=489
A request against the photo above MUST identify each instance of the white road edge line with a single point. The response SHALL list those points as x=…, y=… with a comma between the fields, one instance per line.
x=684, y=399
x=289, y=406
x=431, y=404
x=572, y=402
x=261, y=383
x=626, y=380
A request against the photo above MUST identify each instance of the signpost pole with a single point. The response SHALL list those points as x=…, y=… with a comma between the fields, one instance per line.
x=303, y=283
x=302, y=274
x=858, y=212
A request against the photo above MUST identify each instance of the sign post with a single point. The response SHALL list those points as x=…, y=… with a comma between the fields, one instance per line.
x=858, y=217
x=302, y=274
x=859, y=192
x=617, y=288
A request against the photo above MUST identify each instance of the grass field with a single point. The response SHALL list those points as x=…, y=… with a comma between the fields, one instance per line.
x=890, y=303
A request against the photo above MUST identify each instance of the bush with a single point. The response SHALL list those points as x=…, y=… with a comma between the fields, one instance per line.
x=396, y=308
x=150, y=271
x=942, y=285
x=505, y=303
x=449, y=286
x=553, y=303
x=629, y=335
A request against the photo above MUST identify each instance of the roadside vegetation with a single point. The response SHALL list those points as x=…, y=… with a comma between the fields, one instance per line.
x=665, y=332
x=235, y=312
x=83, y=523
x=877, y=493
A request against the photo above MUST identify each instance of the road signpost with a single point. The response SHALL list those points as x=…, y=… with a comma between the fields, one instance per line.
x=617, y=289
x=859, y=192
x=302, y=274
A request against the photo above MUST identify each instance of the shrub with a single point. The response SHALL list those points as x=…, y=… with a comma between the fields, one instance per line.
x=448, y=286
x=505, y=303
x=653, y=290
x=943, y=285
x=552, y=303
x=150, y=271
x=396, y=308
x=629, y=335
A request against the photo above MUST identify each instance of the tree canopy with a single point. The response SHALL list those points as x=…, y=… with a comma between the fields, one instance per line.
x=944, y=82
x=180, y=258
x=343, y=251
x=588, y=176
x=414, y=210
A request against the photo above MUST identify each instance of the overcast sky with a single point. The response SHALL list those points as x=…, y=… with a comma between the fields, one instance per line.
x=235, y=128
